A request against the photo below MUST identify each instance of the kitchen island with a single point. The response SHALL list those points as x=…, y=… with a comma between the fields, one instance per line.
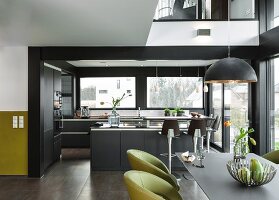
x=109, y=145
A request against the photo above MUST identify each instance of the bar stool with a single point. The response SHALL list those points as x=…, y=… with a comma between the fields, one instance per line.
x=214, y=128
x=171, y=130
x=197, y=124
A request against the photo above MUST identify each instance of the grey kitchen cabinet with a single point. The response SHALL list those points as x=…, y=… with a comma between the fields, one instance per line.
x=105, y=150
x=131, y=140
x=76, y=134
x=109, y=148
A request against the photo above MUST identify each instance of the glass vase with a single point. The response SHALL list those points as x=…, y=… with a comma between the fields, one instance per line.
x=114, y=118
x=241, y=149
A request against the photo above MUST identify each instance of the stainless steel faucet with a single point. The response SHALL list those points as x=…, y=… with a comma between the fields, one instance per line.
x=138, y=111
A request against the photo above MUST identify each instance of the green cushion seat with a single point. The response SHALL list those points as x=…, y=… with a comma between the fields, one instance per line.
x=143, y=161
x=145, y=186
x=272, y=156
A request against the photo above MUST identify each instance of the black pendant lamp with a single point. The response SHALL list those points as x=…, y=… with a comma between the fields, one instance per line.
x=230, y=70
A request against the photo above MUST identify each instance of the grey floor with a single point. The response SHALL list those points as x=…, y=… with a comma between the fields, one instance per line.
x=70, y=179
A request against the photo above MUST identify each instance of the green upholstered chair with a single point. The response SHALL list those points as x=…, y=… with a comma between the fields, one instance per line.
x=143, y=161
x=272, y=156
x=145, y=186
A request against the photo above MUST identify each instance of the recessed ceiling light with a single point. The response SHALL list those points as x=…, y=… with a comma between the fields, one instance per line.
x=141, y=65
x=107, y=65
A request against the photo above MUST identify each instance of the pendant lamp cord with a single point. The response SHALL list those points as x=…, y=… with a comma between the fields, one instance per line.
x=229, y=38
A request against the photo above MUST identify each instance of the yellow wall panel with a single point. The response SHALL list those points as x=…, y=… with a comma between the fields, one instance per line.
x=13, y=144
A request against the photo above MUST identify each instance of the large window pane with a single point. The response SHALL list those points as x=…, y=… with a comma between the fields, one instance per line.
x=273, y=13
x=217, y=109
x=204, y=9
x=98, y=92
x=184, y=92
x=274, y=121
x=236, y=108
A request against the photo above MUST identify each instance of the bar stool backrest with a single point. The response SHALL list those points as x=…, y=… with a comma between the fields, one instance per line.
x=170, y=124
x=197, y=124
x=216, y=123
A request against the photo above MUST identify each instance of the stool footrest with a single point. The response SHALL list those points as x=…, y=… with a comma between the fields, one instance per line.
x=166, y=155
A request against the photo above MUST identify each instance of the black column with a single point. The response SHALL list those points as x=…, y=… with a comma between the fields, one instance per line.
x=35, y=114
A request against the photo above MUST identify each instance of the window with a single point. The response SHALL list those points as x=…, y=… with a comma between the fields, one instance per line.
x=171, y=92
x=98, y=92
x=236, y=109
x=204, y=9
x=67, y=94
x=273, y=13
x=217, y=109
x=274, y=104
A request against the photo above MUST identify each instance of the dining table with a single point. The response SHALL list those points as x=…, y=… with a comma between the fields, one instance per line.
x=216, y=182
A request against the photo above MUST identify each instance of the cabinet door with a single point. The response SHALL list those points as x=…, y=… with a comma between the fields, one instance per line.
x=105, y=150
x=57, y=80
x=48, y=148
x=156, y=144
x=130, y=140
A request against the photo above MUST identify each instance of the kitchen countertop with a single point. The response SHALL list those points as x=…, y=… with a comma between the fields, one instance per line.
x=129, y=128
x=135, y=119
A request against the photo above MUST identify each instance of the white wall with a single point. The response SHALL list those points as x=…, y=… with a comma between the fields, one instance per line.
x=13, y=78
x=242, y=33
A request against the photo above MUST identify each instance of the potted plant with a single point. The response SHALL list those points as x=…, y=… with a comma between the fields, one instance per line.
x=167, y=112
x=174, y=113
x=179, y=111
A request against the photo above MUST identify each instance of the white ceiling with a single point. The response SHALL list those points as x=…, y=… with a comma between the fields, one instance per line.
x=146, y=63
x=75, y=22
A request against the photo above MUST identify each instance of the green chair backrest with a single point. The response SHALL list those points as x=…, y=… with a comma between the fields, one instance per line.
x=145, y=186
x=272, y=156
x=143, y=161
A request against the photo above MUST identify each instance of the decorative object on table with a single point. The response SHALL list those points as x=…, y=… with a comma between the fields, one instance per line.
x=114, y=117
x=84, y=112
x=251, y=173
x=200, y=152
x=167, y=112
x=186, y=157
x=241, y=142
x=194, y=114
x=179, y=111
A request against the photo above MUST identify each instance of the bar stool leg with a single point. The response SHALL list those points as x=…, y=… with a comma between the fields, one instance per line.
x=208, y=140
x=169, y=142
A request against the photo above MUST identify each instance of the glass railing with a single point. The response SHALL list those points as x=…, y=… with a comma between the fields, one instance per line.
x=204, y=10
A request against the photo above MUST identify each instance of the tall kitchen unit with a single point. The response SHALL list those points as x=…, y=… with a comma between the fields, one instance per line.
x=52, y=102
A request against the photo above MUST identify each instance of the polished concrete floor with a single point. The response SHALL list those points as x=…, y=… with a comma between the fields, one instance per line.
x=70, y=179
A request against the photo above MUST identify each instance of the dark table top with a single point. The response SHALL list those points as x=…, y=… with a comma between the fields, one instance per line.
x=217, y=183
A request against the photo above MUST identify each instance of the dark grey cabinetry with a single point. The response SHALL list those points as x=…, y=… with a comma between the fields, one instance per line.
x=57, y=147
x=105, y=150
x=132, y=140
x=109, y=148
x=76, y=134
x=48, y=116
x=157, y=144
x=51, y=83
